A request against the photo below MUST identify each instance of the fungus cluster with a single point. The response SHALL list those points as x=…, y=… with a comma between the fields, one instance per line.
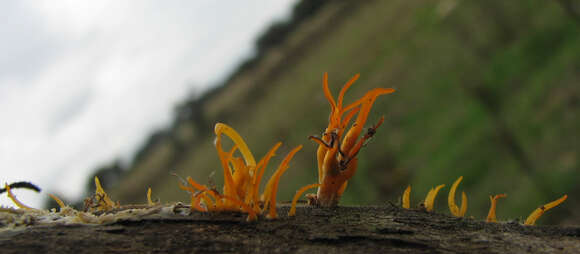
x=427, y=205
x=337, y=160
x=98, y=209
x=100, y=202
x=242, y=178
x=338, y=147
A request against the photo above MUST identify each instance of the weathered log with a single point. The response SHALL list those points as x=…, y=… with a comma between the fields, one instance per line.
x=381, y=229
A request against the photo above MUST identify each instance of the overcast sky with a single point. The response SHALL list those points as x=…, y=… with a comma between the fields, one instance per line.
x=85, y=82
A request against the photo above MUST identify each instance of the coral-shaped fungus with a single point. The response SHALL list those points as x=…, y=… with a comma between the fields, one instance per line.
x=427, y=204
x=338, y=147
x=453, y=208
x=531, y=220
x=100, y=202
x=150, y=201
x=25, y=185
x=430, y=198
x=242, y=178
x=460, y=212
x=491, y=214
x=406, y=200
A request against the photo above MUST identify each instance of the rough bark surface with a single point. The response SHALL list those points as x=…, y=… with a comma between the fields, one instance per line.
x=384, y=229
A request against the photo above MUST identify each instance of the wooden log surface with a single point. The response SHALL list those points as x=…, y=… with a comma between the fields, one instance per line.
x=376, y=229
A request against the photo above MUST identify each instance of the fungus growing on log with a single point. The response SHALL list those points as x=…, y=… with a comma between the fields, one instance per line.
x=536, y=214
x=491, y=214
x=100, y=202
x=451, y=200
x=406, y=200
x=339, y=146
x=242, y=177
x=430, y=199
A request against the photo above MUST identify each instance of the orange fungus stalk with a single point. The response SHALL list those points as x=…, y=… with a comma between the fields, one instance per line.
x=491, y=214
x=407, y=198
x=339, y=146
x=299, y=193
x=242, y=176
x=430, y=199
x=455, y=210
x=531, y=220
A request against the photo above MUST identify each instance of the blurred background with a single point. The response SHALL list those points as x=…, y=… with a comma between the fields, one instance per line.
x=487, y=90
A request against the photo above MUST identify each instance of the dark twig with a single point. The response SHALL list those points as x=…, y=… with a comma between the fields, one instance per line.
x=21, y=185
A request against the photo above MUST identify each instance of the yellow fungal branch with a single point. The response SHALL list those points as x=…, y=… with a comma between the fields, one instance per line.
x=58, y=201
x=104, y=201
x=299, y=193
x=536, y=214
x=272, y=185
x=463, y=204
x=491, y=214
x=200, y=193
x=149, y=200
x=451, y=200
x=430, y=199
x=407, y=198
x=15, y=200
x=242, y=177
x=339, y=146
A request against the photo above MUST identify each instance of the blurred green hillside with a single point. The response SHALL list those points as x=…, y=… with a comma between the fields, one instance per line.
x=488, y=90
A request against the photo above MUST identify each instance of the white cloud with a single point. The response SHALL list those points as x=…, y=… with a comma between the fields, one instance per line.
x=88, y=80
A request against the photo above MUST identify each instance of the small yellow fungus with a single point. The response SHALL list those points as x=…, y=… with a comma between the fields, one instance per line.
x=407, y=198
x=13, y=198
x=272, y=185
x=58, y=201
x=339, y=146
x=242, y=177
x=451, y=200
x=201, y=192
x=430, y=199
x=463, y=204
x=491, y=214
x=149, y=200
x=299, y=193
x=103, y=201
x=536, y=214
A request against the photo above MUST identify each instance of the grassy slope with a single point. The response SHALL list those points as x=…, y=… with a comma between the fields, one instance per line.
x=473, y=79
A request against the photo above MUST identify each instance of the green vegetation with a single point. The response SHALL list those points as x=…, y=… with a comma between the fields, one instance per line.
x=489, y=90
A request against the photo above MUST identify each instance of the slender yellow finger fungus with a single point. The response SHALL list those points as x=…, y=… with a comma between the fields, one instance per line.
x=463, y=204
x=339, y=146
x=104, y=202
x=242, y=177
x=149, y=200
x=536, y=214
x=299, y=193
x=451, y=200
x=14, y=199
x=491, y=214
x=430, y=199
x=58, y=201
x=407, y=198
x=272, y=185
